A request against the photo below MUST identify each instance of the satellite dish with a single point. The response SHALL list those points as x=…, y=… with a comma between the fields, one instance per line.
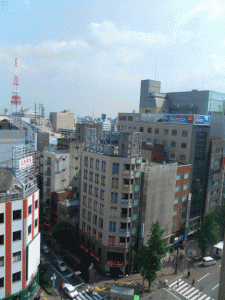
x=5, y=180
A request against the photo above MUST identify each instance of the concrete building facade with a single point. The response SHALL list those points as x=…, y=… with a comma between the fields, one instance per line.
x=63, y=119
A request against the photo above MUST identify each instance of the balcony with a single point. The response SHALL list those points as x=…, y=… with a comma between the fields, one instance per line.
x=136, y=202
x=124, y=201
x=125, y=230
x=134, y=217
x=127, y=187
x=128, y=172
x=137, y=174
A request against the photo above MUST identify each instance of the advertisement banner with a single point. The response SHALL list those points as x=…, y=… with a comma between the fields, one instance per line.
x=179, y=118
x=25, y=162
x=201, y=120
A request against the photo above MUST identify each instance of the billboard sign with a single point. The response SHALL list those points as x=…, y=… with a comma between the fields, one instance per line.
x=25, y=162
x=33, y=257
x=53, y=138
x=201, y=120
x=179, y=118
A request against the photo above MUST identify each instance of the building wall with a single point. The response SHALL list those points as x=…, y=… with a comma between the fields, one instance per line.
x=80, y=130
x=158, y=197
x=8, y=139
x=63, y=119
x=7, y=228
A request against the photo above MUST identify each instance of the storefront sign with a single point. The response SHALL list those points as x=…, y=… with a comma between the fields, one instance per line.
x=84, y=248
x=95, y=256
x=114, y=263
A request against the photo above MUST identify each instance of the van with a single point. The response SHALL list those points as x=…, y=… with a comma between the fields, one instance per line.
x=208, y=261
x=218, y=249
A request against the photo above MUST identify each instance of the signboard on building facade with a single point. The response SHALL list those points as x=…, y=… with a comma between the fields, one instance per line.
x=25, y=162
x=201, y=120
x=184, y=119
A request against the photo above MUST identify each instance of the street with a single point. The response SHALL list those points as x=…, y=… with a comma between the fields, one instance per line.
x=205, y=287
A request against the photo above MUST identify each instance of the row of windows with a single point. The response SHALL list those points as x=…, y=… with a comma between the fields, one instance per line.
x=178, y=188
x=97, y=164
x=165, y=131
x=179, y=176
x=15, y=277
x=17, y=214
x=174, y=223
x=176, y=211
x=15, y=257
x=17, y=235
x=184, y=198
x=91, y=177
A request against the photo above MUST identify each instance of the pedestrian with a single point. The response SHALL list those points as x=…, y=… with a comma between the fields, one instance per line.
x=177, y=283
x=189, y=274
x=201, y=290
x=193, y=282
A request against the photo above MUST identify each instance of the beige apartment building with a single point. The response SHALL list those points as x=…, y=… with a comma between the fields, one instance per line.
x=63, y=119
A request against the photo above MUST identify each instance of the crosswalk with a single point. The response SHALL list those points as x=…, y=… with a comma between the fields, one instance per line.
x=189, y=291
x=87, y=295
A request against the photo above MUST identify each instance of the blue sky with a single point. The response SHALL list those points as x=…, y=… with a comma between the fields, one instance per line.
x=90, y=55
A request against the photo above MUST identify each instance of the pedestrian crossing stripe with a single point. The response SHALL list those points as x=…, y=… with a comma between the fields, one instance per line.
x=185, y=289
x=85, y=295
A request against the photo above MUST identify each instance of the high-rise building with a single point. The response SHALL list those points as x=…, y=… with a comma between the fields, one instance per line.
x=63, y=119
x=19, y=226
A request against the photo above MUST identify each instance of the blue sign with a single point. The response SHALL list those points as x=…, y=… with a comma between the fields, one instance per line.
x=201, y=120
x=186, y=233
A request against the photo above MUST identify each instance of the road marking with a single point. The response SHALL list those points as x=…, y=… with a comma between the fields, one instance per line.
x=181, y=287
x=192, y=294
x=202, y=297
x=43, y=296
x=203, y=277
x=215, y=286
x=172, y=294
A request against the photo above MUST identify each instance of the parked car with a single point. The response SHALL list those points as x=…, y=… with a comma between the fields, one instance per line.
x=60, y=265
x=45, y=249
x=69, y=290
x=208, y=261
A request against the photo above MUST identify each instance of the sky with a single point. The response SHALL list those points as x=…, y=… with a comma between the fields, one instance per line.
x=90, y=56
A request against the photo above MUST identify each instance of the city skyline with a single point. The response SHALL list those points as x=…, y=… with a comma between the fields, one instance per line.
x=93, y=55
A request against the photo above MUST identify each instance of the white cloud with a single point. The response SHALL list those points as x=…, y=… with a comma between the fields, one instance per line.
x=212, y=8
x=108, y=34
x=27, y=3
x=127, y=54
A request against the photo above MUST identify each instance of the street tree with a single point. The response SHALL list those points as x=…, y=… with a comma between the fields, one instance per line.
x=61, y=233
x=206, y=234
x=149, y=256
x=220, y=218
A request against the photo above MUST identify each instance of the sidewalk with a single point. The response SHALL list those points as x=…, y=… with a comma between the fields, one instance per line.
x=45, y=296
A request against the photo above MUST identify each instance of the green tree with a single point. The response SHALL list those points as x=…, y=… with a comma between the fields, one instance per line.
x=148, y=257
x=220, y=218
x=61, y=233
x=206, y=233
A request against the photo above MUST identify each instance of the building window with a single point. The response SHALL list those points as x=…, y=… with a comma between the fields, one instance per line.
x=36, y=223
x=16, y=256
x=97, y=178
x=17, y=214
x=112, y=226
x=2, y=282
x=149, y=130
x=16, y=276
x=111, y=241
x=86, y=161
x=101, y=208
x=156, y=130
x=16, y=235
x=178, y=177
x=172, y=155
x=36, y=204
x=2, y=261
x=182, y=220
x=83, y=226
x=149, y=140
x=84, y=200
x=217, y=162
x=186, y=175
x=115, y=182
x=141, y=129
x=174, y=224
x=29, y=229
x=115, y=168
x=173, y=144
x=219, y=150
x=102, y=180
x=155, y=141
x=100, y=223
x=94, y=219
x=2, y=239
x=89, y=203
x=182, y=157
x=175, y=212
x=177, y=189
x=166, y=131
x=214, y=192
x=174, y=132
x=29, y=209
x=184, y=133
x=91, y=163
x=91, y=176
x=164, y=142
x=102, y=194
x=103, y=166
x=113, y=211
x=96, y=192
x=185, y=187
x=184, y=198
x=85, y=174
x=215, y=182
x=176, y=200
x=95, y=205
x=1, y=218
x=114, y=197
x=97, y=163
x=94, y=231
x=89, y=216
x=84, y=213
x=100, y=236
x=90, y=190
x=183, y=209
x=184, y=145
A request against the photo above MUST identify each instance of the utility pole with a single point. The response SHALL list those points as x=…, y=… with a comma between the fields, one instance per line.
x=53, y=278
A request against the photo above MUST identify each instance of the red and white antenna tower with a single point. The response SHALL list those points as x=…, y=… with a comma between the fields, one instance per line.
x=16, y=99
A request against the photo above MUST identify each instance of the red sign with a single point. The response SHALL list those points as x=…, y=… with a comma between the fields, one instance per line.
x=95, y=256
x=114, y=263
x=84, y=248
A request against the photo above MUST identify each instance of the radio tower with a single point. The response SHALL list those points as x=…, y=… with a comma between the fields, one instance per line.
x=16, y=99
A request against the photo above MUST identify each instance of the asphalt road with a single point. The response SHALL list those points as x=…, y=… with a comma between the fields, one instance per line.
x=67, y=276
x=206, y=278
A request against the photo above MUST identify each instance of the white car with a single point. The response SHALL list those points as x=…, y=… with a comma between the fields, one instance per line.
x=208, y=261
x=45, y=249
x=69, y=290
x=60, y=265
